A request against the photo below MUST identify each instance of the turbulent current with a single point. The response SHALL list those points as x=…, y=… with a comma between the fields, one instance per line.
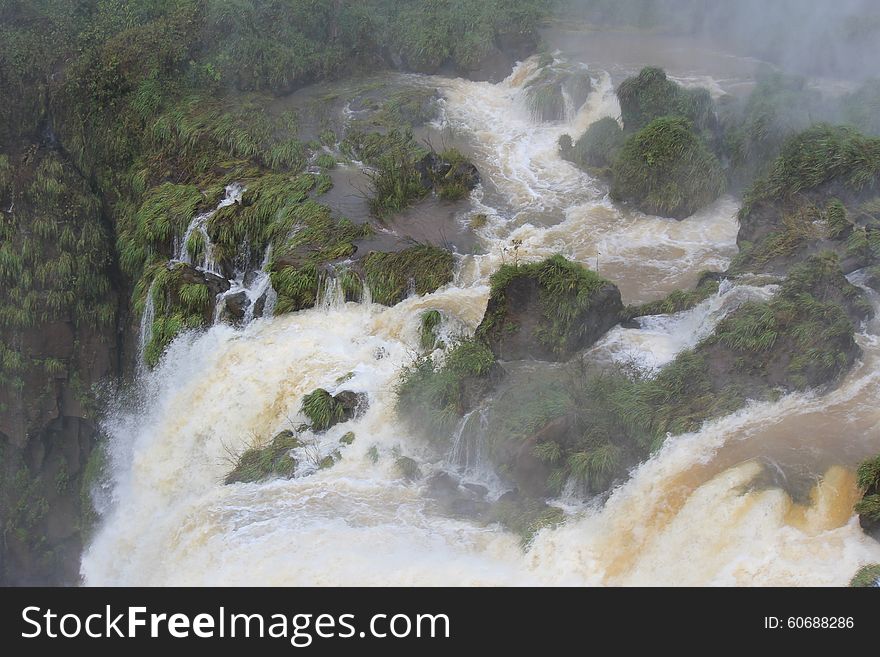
x=708, y=508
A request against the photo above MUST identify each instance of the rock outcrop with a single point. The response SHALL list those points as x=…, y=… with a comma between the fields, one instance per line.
x=548, y=310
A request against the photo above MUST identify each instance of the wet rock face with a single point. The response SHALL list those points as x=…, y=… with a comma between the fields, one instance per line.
x=190, y=275
x=234, y=308
x=457, y=499
x=354, y=404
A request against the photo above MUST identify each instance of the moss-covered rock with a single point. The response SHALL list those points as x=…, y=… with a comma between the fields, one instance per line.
x=408, y=468
x=547, y=310
x=821, y=194
x=403, y=171
x=666, y=169
x=411, y=106
x=868, y=507
x=525, y=516
x=420, y=269
x=588, y=425
x=183, y=298
x=550, y=91
x=598, y=147
x=325, y=410
x=803, y=337
x=651, y=95
x=449, y=173
x=866, y=577
x=272, y=460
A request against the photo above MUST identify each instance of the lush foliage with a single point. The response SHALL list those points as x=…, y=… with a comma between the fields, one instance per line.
x=868, y=576
x=651, y=95
x=598, y=146
x=263, y=462
x=420, y=269
x=666, y=169
x=322, y=409
x=868, y=507
x=820, y=155
x=565, y=292
x=779, y=107
x=433, y=392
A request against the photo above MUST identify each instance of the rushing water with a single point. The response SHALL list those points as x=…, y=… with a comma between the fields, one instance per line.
x=709, y=508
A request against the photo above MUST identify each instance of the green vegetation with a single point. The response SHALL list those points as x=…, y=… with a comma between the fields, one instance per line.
x=526, y=518
x=54, y=265
x=123, y=120
x=306, y=238
x=549, y=426
x=868, y=507
x=820, y=193
x=438, y=391
x=322, y=409
x=598, y=147
x=666, y=169
x=458, y=33
x=801, y=338
x=817, y=156
x=868, y=576
x=396, y=180
x=182, y=300
x=651, y=95
x=421, y=269
x=428, y=326
x=565, y=292
x=272, y=460
x=404, y=172
x=662, y=161
x=678, y=300
x=755, y=130
x=413, y=107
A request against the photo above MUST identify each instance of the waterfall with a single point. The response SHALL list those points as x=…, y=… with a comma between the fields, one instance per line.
x=145, y=334
x=199, y=224
x=696, y=512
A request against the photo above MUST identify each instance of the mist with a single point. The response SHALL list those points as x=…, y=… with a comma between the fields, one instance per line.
x=825, y=38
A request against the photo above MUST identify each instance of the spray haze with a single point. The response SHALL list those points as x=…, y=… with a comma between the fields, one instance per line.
x=819, y=37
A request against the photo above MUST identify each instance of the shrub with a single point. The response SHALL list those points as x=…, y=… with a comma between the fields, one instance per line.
x=666, y=169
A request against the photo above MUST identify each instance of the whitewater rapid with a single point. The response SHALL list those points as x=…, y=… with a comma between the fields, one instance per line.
x=698, y=512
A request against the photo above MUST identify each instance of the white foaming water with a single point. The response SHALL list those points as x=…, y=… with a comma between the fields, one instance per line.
x=693, y=514
x=255, y=285
x=660, y=337
x=199, y=223
x=551, y=206
x=145, y=334
x=174, y=522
